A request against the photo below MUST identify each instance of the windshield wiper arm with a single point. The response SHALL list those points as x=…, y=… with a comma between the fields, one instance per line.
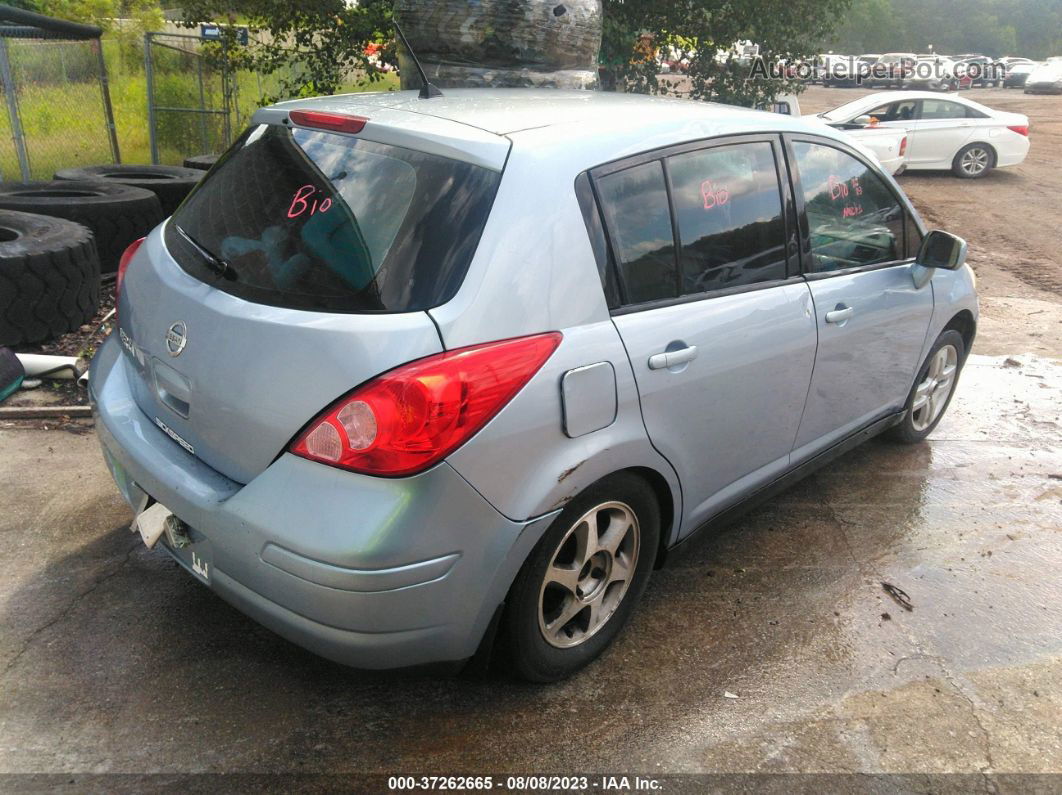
x=214, y=262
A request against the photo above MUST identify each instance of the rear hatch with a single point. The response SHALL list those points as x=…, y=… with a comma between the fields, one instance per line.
x=299, y=268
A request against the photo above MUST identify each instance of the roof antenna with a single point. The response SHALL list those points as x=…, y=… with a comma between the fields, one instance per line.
x=427, y=90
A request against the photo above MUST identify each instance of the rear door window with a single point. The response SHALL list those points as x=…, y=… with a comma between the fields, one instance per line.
x=942, y=109
x=635, y=205
x=307, y=219
x=854, y=220
x=729, y=213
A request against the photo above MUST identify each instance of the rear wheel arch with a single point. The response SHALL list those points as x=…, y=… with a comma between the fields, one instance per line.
x=665, y=501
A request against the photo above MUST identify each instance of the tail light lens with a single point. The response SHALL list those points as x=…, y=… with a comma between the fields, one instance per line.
x=123, y=265
x=410, y=418
x=1020, y=129
x=903, y=146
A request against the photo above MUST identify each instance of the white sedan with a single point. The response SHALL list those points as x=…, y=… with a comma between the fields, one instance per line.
x=888, y=146
x=943, y=131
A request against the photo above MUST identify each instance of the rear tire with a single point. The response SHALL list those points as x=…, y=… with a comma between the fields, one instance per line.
x=552, y=629
x=116, y=214
x=49, y=277
x=973, y=161
x=927, y=401
x=170, y=183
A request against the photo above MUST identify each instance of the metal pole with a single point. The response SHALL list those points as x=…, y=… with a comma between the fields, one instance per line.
x=12, y=111
x=226, y=129
x=204, y=145
x=108, y=110
x=149, y=75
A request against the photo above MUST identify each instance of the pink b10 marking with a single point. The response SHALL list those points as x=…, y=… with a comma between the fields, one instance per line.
x=839, y=188
x=713, y=196
x=300, y=202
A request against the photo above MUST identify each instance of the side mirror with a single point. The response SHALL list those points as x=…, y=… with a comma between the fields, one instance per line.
x=941, y=249
x=862, y=121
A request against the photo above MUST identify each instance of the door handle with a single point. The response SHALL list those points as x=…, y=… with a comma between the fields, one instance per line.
x=839, y=315
x=661, y=361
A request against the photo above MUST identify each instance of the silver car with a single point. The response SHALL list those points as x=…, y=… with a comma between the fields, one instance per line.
x=411, y=380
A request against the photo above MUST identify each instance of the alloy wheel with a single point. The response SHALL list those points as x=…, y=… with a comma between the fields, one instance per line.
x=974, y=161
x=932, y=394
x=588, y=575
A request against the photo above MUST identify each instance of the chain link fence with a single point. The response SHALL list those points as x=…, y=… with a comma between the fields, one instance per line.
x=71, y=99
x=195, y=106
x=57, y=110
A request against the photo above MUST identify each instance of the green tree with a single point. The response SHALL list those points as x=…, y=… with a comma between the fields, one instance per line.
x=705, y=32
x=1032, y=28
x=314, y=45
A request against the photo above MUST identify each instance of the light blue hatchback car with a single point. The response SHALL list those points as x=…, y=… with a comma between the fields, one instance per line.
x=407, y=380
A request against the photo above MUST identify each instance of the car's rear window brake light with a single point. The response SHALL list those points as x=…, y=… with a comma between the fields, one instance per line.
x=334, y=122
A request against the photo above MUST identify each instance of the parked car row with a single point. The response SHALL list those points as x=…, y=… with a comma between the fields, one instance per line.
x=935, y=72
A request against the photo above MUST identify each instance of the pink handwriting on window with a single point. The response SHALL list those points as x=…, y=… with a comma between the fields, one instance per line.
x=856, y=186
x=852, y=210
x=713, y=196
x=838, y=188
x=300, y=203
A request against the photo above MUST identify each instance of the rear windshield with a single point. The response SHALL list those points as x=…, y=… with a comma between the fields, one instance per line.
x=314, y=220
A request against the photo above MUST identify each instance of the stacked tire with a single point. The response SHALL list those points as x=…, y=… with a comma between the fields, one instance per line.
x=57, y=238
x=49, y=277
x=201, y=162
x=117, y=214
x=170, y=183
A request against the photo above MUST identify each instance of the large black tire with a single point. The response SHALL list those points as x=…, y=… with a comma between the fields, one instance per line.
x=117, y=214
x=49, y=277
x=170, y=183
x=201, y=162
x=523, y=638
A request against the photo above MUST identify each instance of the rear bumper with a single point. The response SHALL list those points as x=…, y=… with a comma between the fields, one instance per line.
x=1011, y=149
x=370, y=572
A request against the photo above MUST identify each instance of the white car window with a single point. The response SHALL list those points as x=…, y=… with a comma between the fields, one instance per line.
x=942, y=109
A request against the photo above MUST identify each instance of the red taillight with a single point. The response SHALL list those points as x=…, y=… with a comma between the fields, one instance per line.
x=335, y=122
x=412, y=417
x=1020, y=129
x=903, y=146
x=123, y=264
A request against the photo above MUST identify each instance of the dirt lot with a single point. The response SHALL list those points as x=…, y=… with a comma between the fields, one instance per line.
x=114, y=662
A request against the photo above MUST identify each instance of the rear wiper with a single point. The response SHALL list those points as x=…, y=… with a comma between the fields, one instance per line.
x=215, y=263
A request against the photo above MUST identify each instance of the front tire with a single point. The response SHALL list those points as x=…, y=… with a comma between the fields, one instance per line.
x=933, y=389
x=582, y=580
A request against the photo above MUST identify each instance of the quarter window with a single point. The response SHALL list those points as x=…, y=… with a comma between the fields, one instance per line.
x=636, y=210
x=729, y=214
x=853, y=218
